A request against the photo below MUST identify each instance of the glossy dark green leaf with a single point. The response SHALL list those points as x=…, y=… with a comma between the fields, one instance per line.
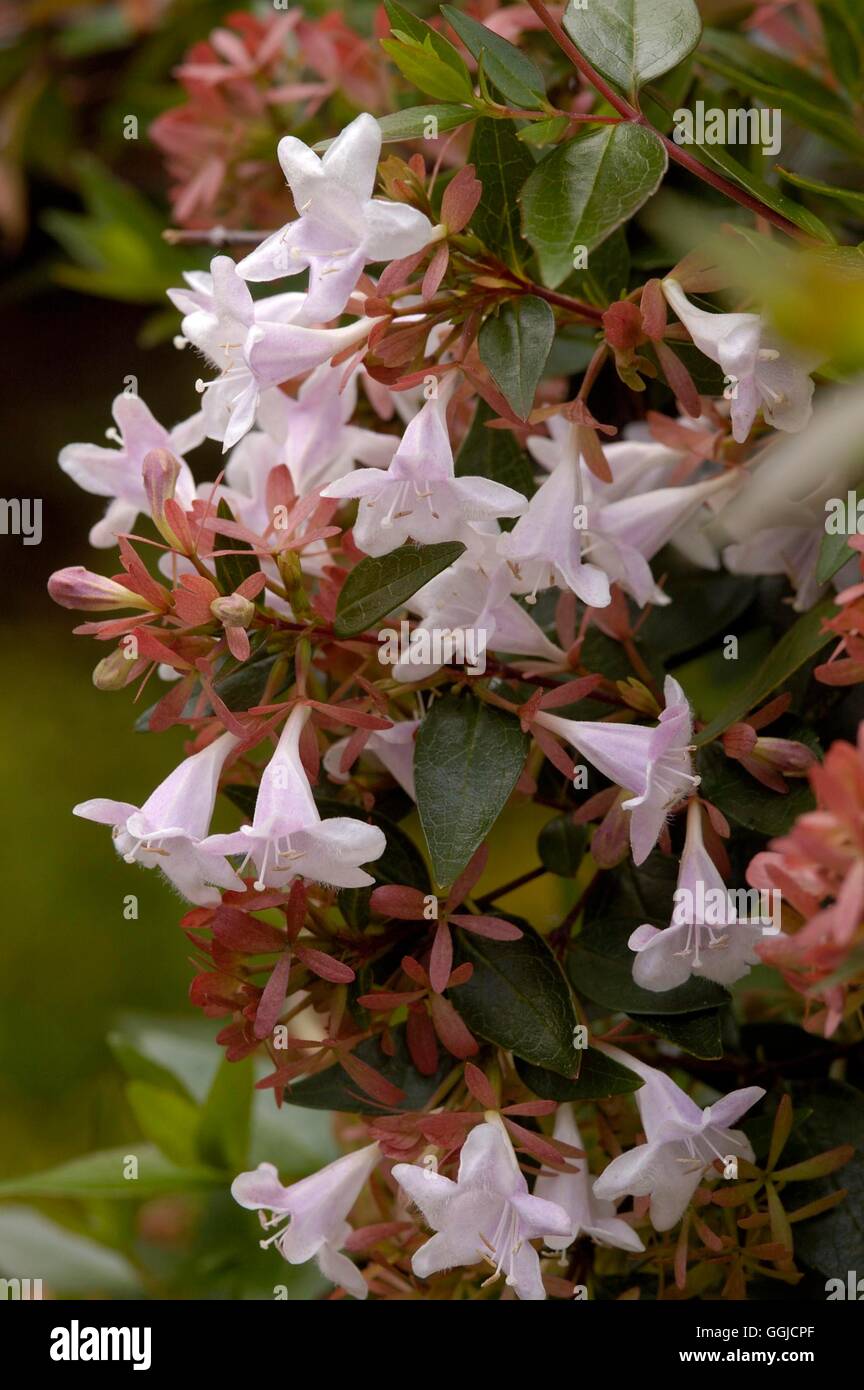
x=697, y=1033
x=833, y=1242
x=468, y=758
x=561, y=846
x=514, y=345
x=745, y=801
x=586, y=188
x=518, y=998
x=633, y=41
x=598, y=1078
x=796, y=646
x=503, y=163
x=379, y=585
x=333, y=1088
x=226, y=1117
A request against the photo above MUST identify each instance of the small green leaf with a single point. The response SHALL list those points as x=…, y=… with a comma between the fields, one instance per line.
x=503, y=164
x=517, y=78
x=697, y=1033
x=634, y=41
x=468, y=759
x=379, y=585
x=225, y=1122
x=106, y=1174
x=167, y=1119
x=514, y=345
x=796, y=646
x=851, y=199
x=414, y=122
x=561, y=846
x=586, y=188
x=766, y=192
x=424, y=67
x=69, y=1264
x=547, y=132
x=518, y=998
x=598, y=1078
x=333, y=1088
x=834, y=552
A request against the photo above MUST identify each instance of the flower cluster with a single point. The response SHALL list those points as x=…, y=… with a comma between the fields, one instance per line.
x=394, y=443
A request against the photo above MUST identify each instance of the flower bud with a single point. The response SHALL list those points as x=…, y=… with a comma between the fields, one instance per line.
x=160, y=472
x=233, y=611
x=76, y=587
x=114, y=671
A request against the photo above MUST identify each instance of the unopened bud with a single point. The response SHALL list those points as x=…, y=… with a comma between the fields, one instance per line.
x=77, y=587
x=114, y=671
x=233, y=611
x=160, y=472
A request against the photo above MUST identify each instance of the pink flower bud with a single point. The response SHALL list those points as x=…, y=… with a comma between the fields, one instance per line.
x=233, y=611
x=113, y=672
x=160, y=472
x=77, y=587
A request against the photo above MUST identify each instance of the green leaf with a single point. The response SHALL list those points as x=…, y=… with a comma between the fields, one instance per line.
x=702, y=605
x=423, y=62
x=231, y=570
x=518, y=998
x=101, y=1175
x=333, y=1089
x=495, y=454
x=833, y=1242
x=600, y=966
x=561, y=846
x=413, y=122
x=544, y=132
x=633, y=41
x=851, y=199
x=755, y=71
x=697, y=1033
x=726, y=164
x=599, y=1077
x=834, y=552
x=167, y=1119
x=514, y=345
x=517, y=78
x=225, y=1122
x=70, y=1265
x=586, y=188
x=503, y=164
x=799, y=644
x=606, y=276
x=468, y=759
x=744, y=800
x=379, y=585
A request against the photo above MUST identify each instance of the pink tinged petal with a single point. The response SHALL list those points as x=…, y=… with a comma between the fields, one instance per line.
x=319, y=1204
x=285, y=802
x=352, y=159
x=676, y=1183
x=663, y=961
x=481, y=498
x=524, y=1276
x=726, y=1111
x=488, y=1160
x=341, y=1271
x=331, y=281
x=428, y=1190
x=185, y=799
x=119, y=519
x=332, y=851
x=635, y=1173
x=104, y=811
x=260, y=1189
x=537, y=1216
x=709, y=330
x=394, y=230
x=620, y=751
